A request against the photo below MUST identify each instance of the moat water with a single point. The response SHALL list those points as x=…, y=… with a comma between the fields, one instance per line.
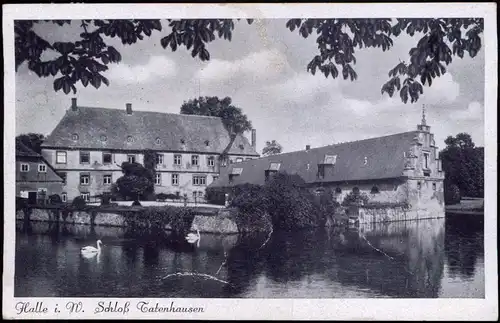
x=436, y=258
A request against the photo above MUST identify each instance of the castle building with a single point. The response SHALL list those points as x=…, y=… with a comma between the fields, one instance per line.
x=35, y=177
x=399, y=168
x=89, y=144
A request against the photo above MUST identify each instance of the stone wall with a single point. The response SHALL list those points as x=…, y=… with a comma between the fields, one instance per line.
x=221, y=223
x=391, y=214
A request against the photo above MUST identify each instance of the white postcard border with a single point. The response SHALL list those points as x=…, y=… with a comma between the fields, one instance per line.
x=321, y=309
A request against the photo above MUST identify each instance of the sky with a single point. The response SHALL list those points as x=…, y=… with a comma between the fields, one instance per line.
x=263, y=70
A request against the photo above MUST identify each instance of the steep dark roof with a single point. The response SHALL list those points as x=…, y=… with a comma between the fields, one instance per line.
x=24, y=151
x=385, y=159
x=145, y=127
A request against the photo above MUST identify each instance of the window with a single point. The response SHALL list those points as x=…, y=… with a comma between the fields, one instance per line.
x=158, y=179
x=86, y=196
x=434, y=186
x=177, y=159
x=74, y=136
x=194, y=160
x=236, y=171
x=25, y=168
x=131, y=158
x=214, y=178
x=175, y=179
x=158, y=141
x=426, y=160
x=107, y=179
x=239, y=160
x=207, y=143
x=440, y=166
x=42, y=168
x=199, y=180
x=159, y=159
x=365, y=161
x=211, y=161
x=419, y=186
x=330, y=159
x=107, y=158
x=84, y=179
x=374, y=190
x=63, y=175
x=84, y=157
x=64, y=197
x=60, y=157
x=338, y=190
x=275, y=166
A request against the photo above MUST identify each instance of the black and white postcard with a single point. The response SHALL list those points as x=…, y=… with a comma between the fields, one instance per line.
x=250, y=161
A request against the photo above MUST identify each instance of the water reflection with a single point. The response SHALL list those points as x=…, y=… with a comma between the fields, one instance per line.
x=418, y=259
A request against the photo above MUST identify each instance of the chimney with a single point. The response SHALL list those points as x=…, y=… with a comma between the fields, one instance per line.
x=308, y=147
x=129, y=108
x=74, y=105
x=254, y=138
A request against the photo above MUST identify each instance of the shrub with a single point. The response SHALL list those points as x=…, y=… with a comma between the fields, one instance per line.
x=136, y=203
x=105, y=199
x=55, y=199
x=79, y=202
x=179, y=218
x=290, y=204
x=251, y=204
x=451, y=194
x=161, y=197
x=355, y=198
x=215, y=195
x=173, y=197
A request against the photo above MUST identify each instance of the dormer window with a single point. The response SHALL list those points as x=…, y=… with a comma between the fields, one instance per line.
x=241, y=146
x=365, y=161
x=338, y=190
x=330, y=159
x=104, y=138
x=157, y=141
x=207, y=143
x=130, y=139
x=274, y=166
x=183, y=142
x=74, y=136
x=374, y=190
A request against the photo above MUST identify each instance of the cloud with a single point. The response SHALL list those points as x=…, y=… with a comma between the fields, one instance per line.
x=156, y=67
x=473, y=112
x=262, y=65
x=442, y=88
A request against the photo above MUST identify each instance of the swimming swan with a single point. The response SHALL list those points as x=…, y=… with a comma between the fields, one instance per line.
x=192, y=238
x=92, y=250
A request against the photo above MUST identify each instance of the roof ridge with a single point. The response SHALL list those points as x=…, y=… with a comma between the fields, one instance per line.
x=334, y=145
x=147, y=111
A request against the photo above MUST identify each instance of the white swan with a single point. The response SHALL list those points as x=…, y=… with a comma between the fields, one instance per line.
x=89, y=250
x=192, y=238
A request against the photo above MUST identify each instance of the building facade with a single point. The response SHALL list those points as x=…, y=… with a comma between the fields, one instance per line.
x=89, y=145
x=399, y=168
x=35, y=177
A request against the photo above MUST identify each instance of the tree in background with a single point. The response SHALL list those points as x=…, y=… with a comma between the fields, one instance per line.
x=150, y=166
x=32, y=140
x=235, y=122
x=135, y=183
x=439, y=41
x=272, y=148
x=463, y=164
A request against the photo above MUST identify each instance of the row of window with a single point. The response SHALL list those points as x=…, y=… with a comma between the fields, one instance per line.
x=107, y=158
x=42, y=168
x=198, y=180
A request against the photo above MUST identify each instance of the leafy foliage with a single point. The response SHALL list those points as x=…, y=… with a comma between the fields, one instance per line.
x=272, y=148
x=355, y=197
x=55, y=199
x=216, y=195
x=235, y=122
x=136, y=181
x=451, y=194
x=79, y=202
x=32, y=140
x=86, y=59
x=463, y=164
